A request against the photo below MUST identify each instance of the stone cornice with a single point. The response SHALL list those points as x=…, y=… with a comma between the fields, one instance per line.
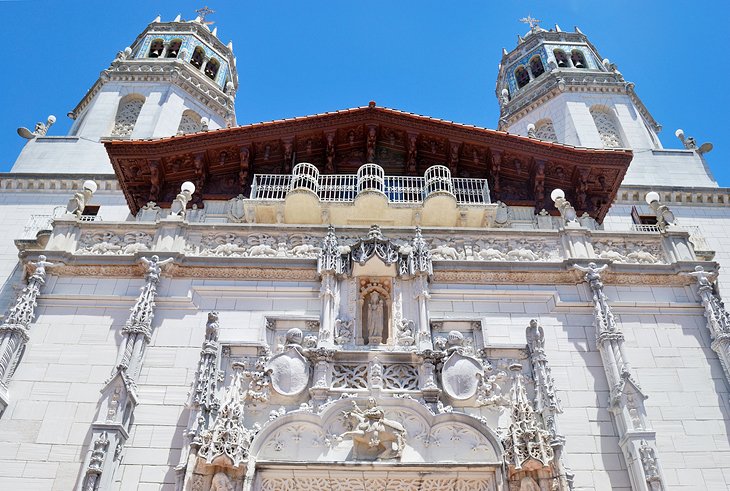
x=552, y=84
x=675, y=195
x=162, y=70
x=54, y=183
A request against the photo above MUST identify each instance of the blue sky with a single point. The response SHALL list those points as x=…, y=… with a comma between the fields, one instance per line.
x=429, y=57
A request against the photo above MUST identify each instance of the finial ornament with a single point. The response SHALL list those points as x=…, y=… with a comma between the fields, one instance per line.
x=202, y=13
x=532, y=21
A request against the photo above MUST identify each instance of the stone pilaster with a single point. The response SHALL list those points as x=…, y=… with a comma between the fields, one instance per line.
x=329, y=265
x=203, y=402
x=110, y=429
x=636, y=438
x=718, y=319
x=547, y=403
x=15, y=329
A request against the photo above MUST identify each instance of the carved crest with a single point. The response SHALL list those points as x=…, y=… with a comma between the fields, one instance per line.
x=289, y=372
x=459, y=376
x=236, y=209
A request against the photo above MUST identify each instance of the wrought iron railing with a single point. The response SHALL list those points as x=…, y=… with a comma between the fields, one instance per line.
x=370, y=177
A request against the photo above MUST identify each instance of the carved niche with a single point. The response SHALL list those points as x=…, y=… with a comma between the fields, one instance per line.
x=375, y=308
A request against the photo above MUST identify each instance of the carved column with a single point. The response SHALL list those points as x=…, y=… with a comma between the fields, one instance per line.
x=203, y=401
x=110, y=429
x=329, y=266
x=718, y=319
x=138, y=329
x=422, y=268
x=547, y=403
x=15, y=329
x=636, y=438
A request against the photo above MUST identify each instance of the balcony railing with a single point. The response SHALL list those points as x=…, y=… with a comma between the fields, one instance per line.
x=371, y=177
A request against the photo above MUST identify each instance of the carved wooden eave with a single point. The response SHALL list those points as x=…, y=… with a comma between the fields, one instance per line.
x=521, y=171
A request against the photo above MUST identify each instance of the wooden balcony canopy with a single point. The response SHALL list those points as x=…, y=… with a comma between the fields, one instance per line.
x=521, y=170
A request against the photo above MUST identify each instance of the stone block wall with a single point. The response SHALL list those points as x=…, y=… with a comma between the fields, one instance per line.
x=74, y=342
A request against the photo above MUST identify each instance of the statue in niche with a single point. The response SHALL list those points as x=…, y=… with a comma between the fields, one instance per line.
x=375, y=308
x=374, y=437
x=221, y=482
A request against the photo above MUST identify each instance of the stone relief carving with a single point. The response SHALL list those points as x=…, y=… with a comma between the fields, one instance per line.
x=639, y=252
x=108, y=242
x=227, y=441
x=352, y=483
x=465, y=377
x=374, y=436
x=525, y=440
x=96, y=462
x=256, y=245
x=718, y=318
x=626, y=398
x=344, y=332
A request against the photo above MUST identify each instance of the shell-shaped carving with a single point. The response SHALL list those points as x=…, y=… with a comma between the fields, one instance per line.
x=459, y=376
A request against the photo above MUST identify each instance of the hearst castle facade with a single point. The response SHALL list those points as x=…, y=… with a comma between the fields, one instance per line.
x=365, y=299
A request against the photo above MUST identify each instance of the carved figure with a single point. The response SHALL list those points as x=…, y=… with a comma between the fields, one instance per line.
x=491, y=255
x=612, y=256
x=372, y=135
x=343, y=331
x=703, y=277
x=304, y=250
x=262, y=250
x=154, y=267
x=221, y=482
x=39, y=271
x=405, y=332
x=444, y=252
x=375, y=318
x=522, y=254
x=294, y=337
x=642, y=257
x=374, y=436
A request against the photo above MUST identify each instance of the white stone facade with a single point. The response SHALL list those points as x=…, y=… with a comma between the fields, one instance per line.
x=530, y=354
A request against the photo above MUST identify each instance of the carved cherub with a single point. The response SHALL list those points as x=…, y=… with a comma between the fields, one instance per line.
x=40, y=266
x=154, y=266
x=592, y=272
x=703, y=277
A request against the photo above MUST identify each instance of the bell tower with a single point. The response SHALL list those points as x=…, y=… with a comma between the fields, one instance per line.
x=175, y=78
x=555, y=86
